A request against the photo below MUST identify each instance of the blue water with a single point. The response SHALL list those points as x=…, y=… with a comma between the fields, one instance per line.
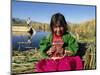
x=24, y=46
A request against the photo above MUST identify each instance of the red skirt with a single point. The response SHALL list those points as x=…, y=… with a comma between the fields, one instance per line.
x=64, y=64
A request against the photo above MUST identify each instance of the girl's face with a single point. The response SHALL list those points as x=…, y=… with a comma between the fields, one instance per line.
x=58, y=30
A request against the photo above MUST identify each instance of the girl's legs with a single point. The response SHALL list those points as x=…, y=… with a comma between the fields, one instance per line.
x=64, y=64
x=46, y=65
x=70, y=63
x=51, y=65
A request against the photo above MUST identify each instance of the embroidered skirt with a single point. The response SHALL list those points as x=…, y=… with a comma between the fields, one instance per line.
x=64, y=64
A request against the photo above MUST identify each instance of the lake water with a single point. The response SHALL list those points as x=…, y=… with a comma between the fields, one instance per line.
x=20, y=42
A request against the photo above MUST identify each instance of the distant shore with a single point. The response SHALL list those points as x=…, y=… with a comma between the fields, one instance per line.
x=20, y=30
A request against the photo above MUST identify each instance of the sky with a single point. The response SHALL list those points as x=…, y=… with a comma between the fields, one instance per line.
x=42, y=12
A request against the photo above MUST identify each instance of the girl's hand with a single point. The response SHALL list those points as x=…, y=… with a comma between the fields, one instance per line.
x=68, y=53
x=51, y=50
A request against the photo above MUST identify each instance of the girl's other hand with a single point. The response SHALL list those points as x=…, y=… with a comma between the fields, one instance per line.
x=68, y=53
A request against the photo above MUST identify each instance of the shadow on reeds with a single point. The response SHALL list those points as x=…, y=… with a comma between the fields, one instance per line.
x=82, y=49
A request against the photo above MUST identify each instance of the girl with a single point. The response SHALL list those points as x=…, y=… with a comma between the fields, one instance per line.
x=59, y=48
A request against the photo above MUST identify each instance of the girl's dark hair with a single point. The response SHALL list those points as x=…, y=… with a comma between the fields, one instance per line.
x=58, y=18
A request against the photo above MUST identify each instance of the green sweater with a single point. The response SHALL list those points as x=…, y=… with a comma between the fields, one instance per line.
x=70, y=43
